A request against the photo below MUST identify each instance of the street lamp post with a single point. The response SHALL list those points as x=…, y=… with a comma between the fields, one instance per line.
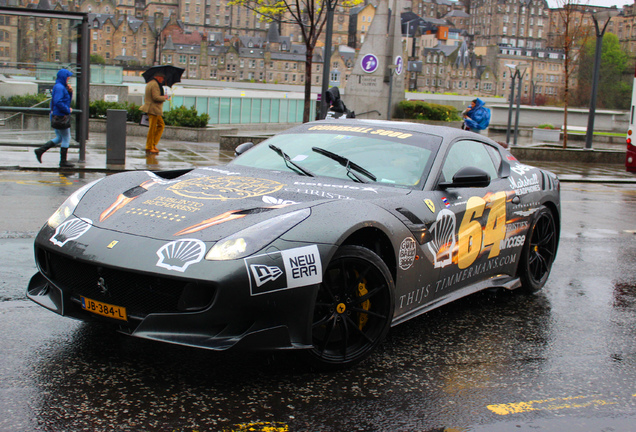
x=521, y=71
x=515, y=71
x=512, y=96
x=601, y=20
x=326, y=63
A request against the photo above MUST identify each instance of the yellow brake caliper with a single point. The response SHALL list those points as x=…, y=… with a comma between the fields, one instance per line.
x=366, y=305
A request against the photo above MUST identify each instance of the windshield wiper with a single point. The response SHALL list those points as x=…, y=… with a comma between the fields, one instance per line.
x=347, y=164
x=291, y=164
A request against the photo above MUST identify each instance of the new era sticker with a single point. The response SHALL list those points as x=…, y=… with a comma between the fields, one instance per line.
x=287, y=269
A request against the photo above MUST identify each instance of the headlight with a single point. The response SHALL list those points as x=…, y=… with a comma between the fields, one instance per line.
x=68, y=206
x=256, y=237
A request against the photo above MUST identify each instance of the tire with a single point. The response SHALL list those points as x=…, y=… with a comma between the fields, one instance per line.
x=538, y=251
x=353, y=310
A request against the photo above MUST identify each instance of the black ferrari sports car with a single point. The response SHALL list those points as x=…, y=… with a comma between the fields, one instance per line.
x=320, y=238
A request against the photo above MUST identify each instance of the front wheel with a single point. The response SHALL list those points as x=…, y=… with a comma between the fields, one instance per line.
x=354, y=308
x=539, y=251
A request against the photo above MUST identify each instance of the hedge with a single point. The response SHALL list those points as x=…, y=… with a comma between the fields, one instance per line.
x=180, y=116
x=420, y=110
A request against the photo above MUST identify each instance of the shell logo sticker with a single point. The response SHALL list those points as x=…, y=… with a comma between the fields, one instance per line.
x=180, y=254
x=70, y=230
x=225, y=188
x=430, y=204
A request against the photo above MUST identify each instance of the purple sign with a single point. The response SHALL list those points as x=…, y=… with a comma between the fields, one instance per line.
x=399, y=65
x=369, y=63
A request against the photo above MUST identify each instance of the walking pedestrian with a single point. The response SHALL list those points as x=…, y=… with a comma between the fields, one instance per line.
x=61, y=96
x=153, y=106
x=476, y=116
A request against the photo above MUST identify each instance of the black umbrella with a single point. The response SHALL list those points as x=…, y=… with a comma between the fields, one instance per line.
x=171, y=73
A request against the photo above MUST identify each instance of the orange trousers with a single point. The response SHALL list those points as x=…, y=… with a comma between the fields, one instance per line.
x=156, y=125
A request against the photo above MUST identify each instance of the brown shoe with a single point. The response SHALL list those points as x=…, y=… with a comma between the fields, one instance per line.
x=153, y=150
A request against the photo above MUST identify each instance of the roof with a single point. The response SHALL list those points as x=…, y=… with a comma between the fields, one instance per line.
x=457, y=14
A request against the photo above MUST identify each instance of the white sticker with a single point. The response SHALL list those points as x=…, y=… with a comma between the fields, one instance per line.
x=70, y=230
x=180, y=254
x=302, y=266
x=407, y=253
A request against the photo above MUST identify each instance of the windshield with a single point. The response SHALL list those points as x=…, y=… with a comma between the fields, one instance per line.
x=392, y=161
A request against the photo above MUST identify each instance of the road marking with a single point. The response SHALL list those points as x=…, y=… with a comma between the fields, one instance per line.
x=261, y=427
x=551, y=404
x=58, y=180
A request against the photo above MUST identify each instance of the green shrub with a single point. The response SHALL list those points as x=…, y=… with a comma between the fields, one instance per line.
x=181, y=116
x=546, y=126
x=420, y=110
x=186, y=117
x=27, y=100
x=97, y=109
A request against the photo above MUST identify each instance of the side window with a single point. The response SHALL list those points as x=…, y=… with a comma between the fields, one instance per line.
x=469, y=153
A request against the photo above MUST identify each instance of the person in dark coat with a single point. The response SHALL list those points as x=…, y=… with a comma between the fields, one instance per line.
x=61, y=96
x=333, y=99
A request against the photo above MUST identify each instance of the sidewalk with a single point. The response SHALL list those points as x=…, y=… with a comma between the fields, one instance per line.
x=16, y=153
x=173, y=154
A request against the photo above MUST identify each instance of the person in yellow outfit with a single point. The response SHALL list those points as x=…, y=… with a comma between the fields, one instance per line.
x=153, y=106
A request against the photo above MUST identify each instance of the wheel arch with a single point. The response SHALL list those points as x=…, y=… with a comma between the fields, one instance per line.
x=378, y=242
x=556, y=215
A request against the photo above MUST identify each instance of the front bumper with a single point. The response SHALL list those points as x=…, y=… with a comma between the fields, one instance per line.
x=217, y=313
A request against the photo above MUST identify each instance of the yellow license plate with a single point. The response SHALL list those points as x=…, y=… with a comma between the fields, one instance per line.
x=104, y=309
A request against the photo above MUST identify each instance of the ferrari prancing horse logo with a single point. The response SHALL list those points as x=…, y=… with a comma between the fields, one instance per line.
x=430, y=204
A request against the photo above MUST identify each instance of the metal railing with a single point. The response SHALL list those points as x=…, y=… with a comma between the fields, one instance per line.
x=21, y=111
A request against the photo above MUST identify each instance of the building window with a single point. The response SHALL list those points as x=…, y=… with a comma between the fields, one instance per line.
x=193, y=60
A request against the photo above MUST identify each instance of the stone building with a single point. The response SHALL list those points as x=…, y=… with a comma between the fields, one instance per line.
x=518, y=23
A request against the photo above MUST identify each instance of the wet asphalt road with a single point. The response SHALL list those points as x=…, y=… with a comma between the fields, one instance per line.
x=562, y=359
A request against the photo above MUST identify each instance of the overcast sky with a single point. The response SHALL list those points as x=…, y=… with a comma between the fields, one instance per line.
x=619, y=3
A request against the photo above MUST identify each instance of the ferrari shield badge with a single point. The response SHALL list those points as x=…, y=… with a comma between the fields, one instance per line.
x=430, y=204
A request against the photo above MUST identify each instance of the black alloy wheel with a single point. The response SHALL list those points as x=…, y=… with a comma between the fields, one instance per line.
x=539, y=251
x=354, y=308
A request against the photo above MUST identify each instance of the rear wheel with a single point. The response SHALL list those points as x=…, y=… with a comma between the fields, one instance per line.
x=539, y=251
x=354, y=308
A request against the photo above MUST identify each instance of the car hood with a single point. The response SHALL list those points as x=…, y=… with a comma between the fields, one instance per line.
x=211, y=203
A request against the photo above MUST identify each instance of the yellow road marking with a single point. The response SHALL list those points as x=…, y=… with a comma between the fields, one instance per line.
x=61, y=181
x=551, y=404
x=260, y=427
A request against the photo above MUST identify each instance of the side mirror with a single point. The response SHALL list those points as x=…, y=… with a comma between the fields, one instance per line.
x=242, y=148
x=468, y=177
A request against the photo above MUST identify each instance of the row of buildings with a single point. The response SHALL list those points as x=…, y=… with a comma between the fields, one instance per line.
x=451, y=46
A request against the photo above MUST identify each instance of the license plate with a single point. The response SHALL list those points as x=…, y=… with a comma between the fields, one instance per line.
x=104, y=309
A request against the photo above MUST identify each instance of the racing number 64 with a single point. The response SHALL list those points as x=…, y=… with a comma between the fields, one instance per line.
x=471, y=239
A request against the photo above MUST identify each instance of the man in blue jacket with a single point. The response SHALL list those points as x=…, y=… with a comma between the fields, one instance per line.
x=476, y=116
x=61, y=96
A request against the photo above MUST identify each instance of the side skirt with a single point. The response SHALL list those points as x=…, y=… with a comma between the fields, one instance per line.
x=499, y=281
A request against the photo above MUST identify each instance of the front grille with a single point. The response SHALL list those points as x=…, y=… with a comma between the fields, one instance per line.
x=140, y=294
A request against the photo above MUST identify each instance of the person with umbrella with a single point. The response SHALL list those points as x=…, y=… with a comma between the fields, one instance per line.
x=153, y=106
x=156, y=77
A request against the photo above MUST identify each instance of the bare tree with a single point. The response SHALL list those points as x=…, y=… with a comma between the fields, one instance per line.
x=570, y=16
x=310, y=16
